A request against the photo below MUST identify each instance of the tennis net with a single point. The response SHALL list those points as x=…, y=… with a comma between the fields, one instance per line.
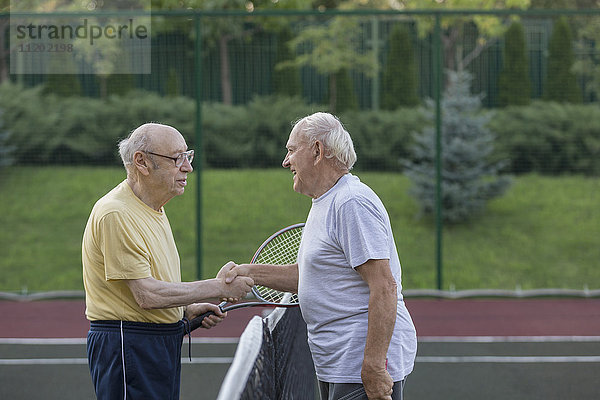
x=272, y=360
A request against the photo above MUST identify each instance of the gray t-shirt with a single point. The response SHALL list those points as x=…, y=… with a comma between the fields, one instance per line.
x=346, y=227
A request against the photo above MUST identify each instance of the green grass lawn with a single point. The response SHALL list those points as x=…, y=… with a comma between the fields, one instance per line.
x=545, y=232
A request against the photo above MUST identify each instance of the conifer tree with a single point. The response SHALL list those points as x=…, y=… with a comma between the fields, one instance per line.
x=400, y=72
x=345, y=96
x=286, y=80
x=469, y=177
x=6, y=149
x=561, y=83
x=172, y=86
x=514, y=84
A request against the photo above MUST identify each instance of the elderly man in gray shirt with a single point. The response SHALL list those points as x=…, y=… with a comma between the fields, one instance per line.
x=348, y=275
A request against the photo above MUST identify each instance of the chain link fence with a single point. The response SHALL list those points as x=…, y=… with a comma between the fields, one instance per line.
x=523, y=85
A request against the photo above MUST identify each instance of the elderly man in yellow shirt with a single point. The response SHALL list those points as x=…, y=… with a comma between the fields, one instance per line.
x=135, y=300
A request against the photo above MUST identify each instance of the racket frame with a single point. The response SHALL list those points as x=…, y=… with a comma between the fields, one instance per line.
x=197, y=322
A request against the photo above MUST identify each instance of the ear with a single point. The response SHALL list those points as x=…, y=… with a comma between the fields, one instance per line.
x=318, y=151
x=140, y=163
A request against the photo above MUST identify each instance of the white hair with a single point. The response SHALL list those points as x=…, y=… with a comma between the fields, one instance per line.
x=329, y=130
x=138, y=140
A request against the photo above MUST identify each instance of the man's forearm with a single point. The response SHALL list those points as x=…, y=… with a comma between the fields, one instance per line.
x=382, y=319
x=279, y=277
x=153, y=294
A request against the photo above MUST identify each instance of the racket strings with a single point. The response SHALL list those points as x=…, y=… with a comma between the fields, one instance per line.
x=281, y=250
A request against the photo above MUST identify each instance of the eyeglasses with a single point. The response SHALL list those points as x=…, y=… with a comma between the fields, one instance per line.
x=180, y=159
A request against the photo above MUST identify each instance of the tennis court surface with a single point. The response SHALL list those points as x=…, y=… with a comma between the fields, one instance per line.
x=468, y=349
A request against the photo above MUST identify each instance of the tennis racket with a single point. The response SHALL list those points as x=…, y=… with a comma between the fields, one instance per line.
x=280, y=248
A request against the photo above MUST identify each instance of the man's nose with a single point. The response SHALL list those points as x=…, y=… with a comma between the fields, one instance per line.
x=186, y=166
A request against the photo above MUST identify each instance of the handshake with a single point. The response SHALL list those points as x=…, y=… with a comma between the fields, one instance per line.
x=235, y=282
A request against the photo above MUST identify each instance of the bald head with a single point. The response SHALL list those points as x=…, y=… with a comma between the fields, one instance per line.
x=147, y=137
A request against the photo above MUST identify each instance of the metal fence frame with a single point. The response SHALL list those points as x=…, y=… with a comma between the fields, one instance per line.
x=199, y=15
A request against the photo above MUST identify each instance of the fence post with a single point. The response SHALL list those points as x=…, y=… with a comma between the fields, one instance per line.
x=375, y=89
x=438, y=74
x=199, y=146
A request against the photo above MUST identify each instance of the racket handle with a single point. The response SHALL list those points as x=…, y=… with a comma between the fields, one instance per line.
x=197, y=322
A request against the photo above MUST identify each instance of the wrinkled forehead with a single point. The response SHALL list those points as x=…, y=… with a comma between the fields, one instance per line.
x=297, y=136
x=166, y=138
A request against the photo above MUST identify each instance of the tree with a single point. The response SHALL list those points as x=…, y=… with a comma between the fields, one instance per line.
x=469, y=177
x=345, y=95
x=489, y=28
x=6, y=150
x=514, y=84
x=286, y=81
x=221, y=31
x=561, y=83
x=586, y=65
x=332, y=47
x=400, y=72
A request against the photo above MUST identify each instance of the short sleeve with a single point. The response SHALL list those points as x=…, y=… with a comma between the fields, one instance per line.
x=123, y=248
x=362, y=232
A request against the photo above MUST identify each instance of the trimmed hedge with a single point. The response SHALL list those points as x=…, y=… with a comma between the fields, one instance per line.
x=49, y=129
x=549, y=138
x=544, y=137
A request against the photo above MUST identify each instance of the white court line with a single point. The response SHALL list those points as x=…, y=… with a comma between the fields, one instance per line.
x=507, y=339
x=420, y=359
x=424, y=339
x=82, y=361
x=74, y=341
x=508, y=359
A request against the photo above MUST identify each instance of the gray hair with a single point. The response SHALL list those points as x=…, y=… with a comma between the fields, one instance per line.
x=329, y=130
x=138, y=140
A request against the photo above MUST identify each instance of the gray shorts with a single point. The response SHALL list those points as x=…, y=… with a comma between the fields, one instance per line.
x=353, y=391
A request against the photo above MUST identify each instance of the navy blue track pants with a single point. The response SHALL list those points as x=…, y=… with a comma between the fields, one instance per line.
x=135, y=360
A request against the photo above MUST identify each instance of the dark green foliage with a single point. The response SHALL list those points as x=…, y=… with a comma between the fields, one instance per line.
x=173, y=86
x=514, y=84
x=400, y=81
x=345, y=95
x=561, y=83
x=470, y=177
x=252, y=135
x=119, y=84
x=286, y=81
x=550, y=138
x=6, y=150
x=80, y=129
x=383, y=138
x=63, y=85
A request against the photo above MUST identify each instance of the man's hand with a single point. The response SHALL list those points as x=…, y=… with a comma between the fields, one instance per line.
x=196, y=309
x=234, y=288
x=235, y=271
x=377, y=382
x=223, y=272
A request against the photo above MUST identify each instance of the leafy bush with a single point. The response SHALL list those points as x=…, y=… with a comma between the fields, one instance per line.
x=550, y=138
x=253, y=135
x=382, y=138
x=52, y=129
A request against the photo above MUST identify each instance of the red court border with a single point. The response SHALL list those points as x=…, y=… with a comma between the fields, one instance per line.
x=432, y=317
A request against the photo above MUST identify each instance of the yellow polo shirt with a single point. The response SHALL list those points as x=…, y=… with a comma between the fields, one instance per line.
x=126, y=239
